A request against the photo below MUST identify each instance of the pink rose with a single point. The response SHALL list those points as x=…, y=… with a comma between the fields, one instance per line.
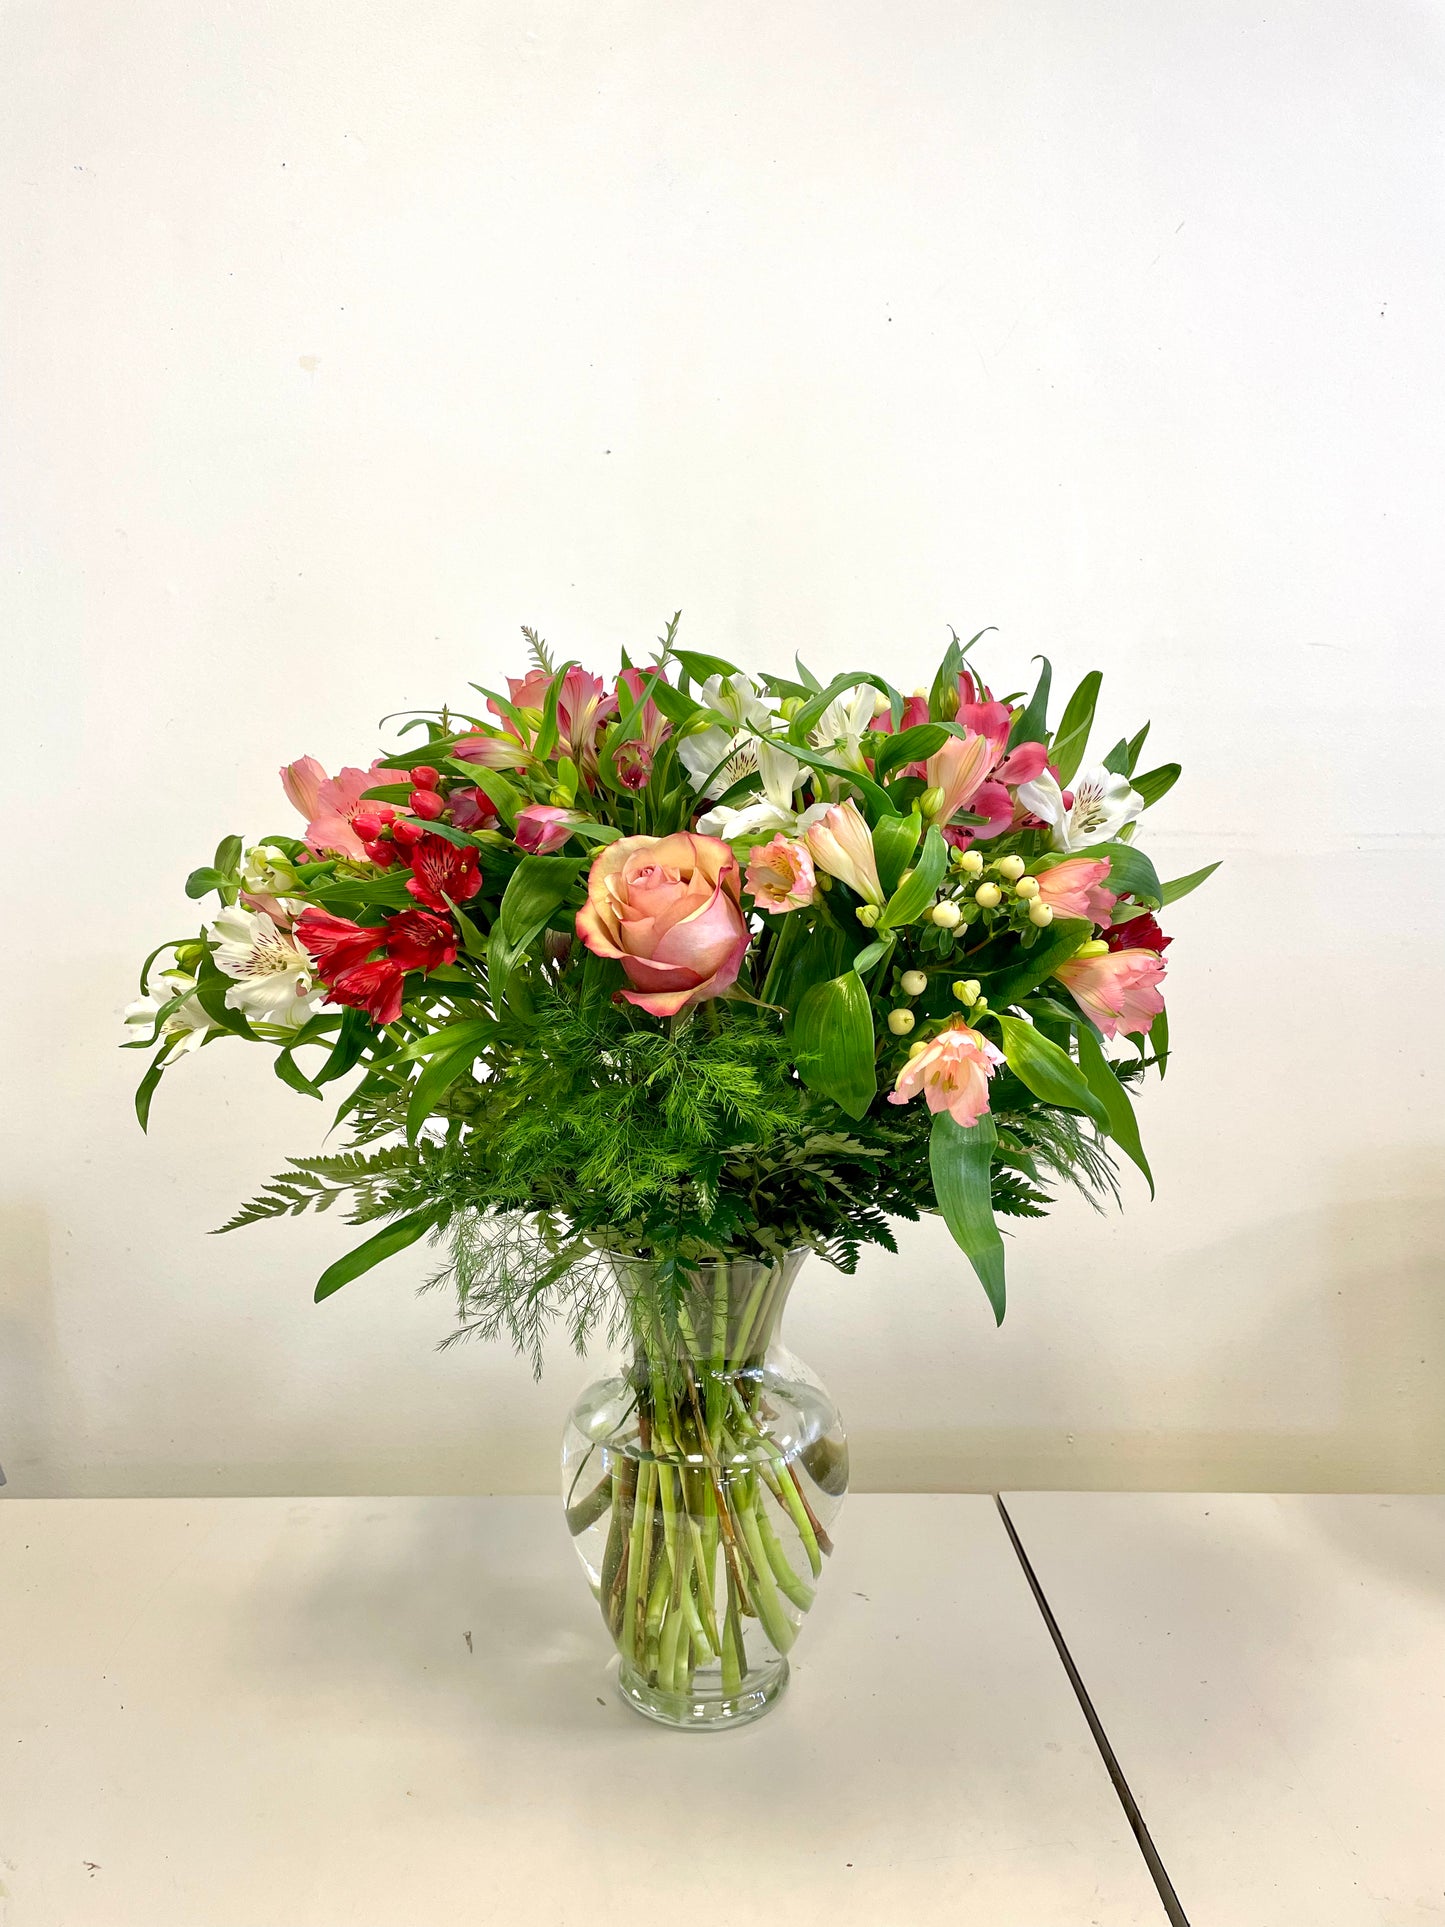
x=1075, y=889
x=1120, y=990
x=669, y=908
x=781, y=875
x=952, y=1071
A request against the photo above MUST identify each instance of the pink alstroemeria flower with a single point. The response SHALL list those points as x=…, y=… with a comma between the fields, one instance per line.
x=952, y=1071
x=1119, y=990
x=583, y=706
x=1076, y=889
x=841, y=843
x=781, y=875
x=543, y=828
x=636, y=756
x=330, y=802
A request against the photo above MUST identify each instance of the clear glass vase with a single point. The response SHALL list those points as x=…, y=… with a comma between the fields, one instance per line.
x=701, y=1480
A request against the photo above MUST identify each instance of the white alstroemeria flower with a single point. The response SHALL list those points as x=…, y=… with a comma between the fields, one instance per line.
x=268, y=872
x=722, y=755
x=1103, y=804
x=188, y=1020
x=275, y=978
x=845, y=721
x=780, y=775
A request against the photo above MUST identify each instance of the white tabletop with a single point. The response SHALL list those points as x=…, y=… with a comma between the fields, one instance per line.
x=266, y=1713
x=1271, y=1675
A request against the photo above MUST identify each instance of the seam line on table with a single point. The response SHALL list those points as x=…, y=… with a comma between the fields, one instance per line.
x=1158, y=1872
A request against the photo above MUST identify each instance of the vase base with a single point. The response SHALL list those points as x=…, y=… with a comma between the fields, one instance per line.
x=702, y=1711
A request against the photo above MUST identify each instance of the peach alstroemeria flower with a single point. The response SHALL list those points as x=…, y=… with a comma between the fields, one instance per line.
x=669, y=909
x=780, y=875
x=841, y=843
x=1075, y=888
x=330, y=802
x=952, y=1071
x=1119, y=991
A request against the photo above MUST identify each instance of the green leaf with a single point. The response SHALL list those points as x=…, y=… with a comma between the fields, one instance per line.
x=875, y=953
x=471, y=1030
x=1031, y=725
x=1159, y=1038
x=1155, y=783
x=1181, y=886
x=503, y=795
x=146, y=1089
x=960, y=1157
x=914, y=745
x=894, y=841
x=678, y=707
x=912, y=898
x=1071, y=738
x=1047, y=1071
x=877, y=803
x=598, y=833
x=702, y=667
x=200, y=883
x=291, y=1073
x=1131, y=874
x=228, y=856
x=390, y=1239
x=539, y=886
x=1136, y=743
x=547, y=735
x=1060, y=940
x=812, y=710
x=1119, y=1119
x=434, y=1083
x=833, y=1042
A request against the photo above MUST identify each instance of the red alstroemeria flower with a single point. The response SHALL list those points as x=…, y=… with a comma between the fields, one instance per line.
x=335, y=942
x=372, y=987
x=442, y=873
x=419, y=941
x=1137, y=933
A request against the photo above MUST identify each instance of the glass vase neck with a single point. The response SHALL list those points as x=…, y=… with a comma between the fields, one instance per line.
x=719, y=1312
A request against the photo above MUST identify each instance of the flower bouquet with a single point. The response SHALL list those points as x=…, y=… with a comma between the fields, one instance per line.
x=642, y=994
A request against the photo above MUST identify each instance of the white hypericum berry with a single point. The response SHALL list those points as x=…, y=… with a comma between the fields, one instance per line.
x=1041, y=914
x=914, y=983
x=900, y=1022
x=972, y=861
x=915, y=1048
x=987, y=895
x=1027, y=888
x=1011, y=868
x=947, y=916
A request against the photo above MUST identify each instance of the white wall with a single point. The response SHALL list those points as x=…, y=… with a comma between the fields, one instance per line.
x=341, y=339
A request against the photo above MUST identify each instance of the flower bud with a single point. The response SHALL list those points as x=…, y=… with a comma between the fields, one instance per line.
x=967, y=989
x=980, y=1003
x=824, y=882
x=947, y=916
x=1011, y=868
x=426, y=804
x=900, y=1022
x=789, y=707
x=987, y=895
x=424, y=777
x=931, y=801
x=867, y=914
x=972, y=861
x=904, y=876
x=1096, y=947
x=1027, y=888
x=914, y=983
x=1041, y=914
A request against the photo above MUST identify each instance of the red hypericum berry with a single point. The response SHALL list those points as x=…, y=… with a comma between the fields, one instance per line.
x=425, y=777
x=427, y=804
x=367, y=825
x=383, y=855
x=407, y=832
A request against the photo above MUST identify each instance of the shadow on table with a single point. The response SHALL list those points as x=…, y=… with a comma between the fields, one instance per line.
x=465, y=1607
